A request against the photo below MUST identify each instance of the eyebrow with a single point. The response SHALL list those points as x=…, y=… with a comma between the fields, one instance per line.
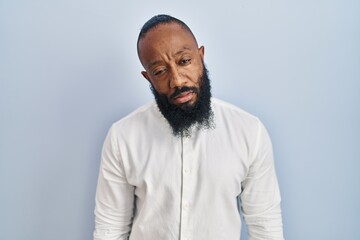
x=176, y=54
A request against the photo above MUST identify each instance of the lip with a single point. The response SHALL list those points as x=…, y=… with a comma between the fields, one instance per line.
x=184, y=97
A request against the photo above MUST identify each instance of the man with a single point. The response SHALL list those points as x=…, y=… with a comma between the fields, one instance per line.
x=178, y=168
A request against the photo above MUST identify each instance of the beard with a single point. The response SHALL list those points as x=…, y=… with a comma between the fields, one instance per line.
x=182, y=118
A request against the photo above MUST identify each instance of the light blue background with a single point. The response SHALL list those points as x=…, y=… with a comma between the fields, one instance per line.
x=68, y=69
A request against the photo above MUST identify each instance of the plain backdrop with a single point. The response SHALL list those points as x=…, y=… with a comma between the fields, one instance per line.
x=69, y=69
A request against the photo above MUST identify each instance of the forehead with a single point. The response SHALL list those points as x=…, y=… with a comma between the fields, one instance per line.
x=165, y=39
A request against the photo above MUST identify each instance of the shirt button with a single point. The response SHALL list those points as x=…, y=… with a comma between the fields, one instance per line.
x=187, y=170
x=186, y=206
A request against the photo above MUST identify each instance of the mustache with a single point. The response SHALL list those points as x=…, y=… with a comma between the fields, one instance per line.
x=178, y=91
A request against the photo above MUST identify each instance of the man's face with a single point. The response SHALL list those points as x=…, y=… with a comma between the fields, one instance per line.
x=172, y=60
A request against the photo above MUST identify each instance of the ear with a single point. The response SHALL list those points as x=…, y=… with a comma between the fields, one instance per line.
x=201, y=52
x=145, y=75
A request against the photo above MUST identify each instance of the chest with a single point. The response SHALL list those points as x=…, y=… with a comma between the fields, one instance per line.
x=207, y=160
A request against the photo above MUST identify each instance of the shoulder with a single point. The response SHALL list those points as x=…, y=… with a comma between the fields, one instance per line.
x=224, y=110
x=239, y=125
x=141, y=116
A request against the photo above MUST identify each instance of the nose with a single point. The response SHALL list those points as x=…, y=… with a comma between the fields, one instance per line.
x=177, y=80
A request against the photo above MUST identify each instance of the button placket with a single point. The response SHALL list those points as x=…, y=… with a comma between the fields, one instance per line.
x=186, y=189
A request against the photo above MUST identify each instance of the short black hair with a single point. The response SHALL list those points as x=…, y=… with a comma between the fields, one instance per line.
x=156, y=21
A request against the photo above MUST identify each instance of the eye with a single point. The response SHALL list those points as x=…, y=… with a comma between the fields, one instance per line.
x=185, y=61
x=158, y=71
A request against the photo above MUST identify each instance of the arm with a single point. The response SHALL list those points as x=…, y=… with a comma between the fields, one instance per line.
x=260, y=197
x=114, y=196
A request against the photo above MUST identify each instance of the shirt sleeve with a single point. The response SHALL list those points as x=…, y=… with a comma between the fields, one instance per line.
x=114, y=201
x=260, y=197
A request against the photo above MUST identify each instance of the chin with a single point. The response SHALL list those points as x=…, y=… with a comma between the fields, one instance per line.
x=188, y=106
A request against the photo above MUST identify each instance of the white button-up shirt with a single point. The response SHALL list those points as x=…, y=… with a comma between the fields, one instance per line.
x=155, y=186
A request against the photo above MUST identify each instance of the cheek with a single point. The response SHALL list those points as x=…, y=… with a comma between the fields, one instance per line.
x=196, y=78
x=196, y=73
x=162, y=87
